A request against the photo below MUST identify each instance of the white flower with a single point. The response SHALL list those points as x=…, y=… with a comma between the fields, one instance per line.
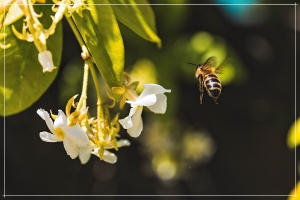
x=73, y=137
x=45, y=59
x=153, y=97
x=85, y=152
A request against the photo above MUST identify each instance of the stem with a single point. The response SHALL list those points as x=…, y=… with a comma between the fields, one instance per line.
x=34, y=25
x=89, y=63
x=100, y=101
x=75, y=30
x=82, y=101
x=83, y=97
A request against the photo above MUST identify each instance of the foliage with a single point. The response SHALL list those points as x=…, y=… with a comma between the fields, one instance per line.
x=97, y=25
x=24, y=82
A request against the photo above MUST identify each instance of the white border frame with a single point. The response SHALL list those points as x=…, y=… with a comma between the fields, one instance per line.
x=295, y=195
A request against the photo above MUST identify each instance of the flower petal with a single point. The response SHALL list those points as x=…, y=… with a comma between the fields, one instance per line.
x=49, y=137
x=147, y=100
x=123, y=143
x=137, y=122
x=161, y=104
x=109, y=157
x=45, y=116
x=61, y=120
x=85, y=153
x=45, y=59
x=71, y=148
x=152, y=89
x=127, y=122
x=76, y=134
x=95, y=151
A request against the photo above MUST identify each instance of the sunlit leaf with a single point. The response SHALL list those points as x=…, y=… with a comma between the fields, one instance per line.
x=293, y=138
x=139, y=18
x=24, y=79
x=101, y=34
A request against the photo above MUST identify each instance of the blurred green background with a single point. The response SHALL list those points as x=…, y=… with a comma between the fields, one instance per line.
x=237, y=147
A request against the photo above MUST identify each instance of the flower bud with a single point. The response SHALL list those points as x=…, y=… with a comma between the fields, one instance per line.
x=45, y=58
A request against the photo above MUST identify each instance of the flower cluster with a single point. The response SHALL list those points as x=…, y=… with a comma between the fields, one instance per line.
x=34, y=31
x=152, y=97
x=83, y=136
x=73, y=137
x=66, y=7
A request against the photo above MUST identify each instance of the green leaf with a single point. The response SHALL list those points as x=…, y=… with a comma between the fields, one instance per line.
x=101, y=34
x=139, y=18
x=24, y=80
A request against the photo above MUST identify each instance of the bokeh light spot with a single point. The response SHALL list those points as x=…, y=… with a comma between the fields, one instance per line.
x=166, y=169
x=143, y=71
x=228, y=74
x=201, y=41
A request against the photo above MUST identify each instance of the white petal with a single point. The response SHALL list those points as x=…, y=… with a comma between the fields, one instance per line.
x=137, y=121
x=109, y=157
x=127, y=122
x=76, y=134
x=45, y=59
x=49, y=137
x=123, y=143
x=147, y=100
x=45, y=116
x=71, y=148
x=95, y=151
x=153, y=89
x=85, y=154
x=61, y=120
x=42, y=113
x=161, y=104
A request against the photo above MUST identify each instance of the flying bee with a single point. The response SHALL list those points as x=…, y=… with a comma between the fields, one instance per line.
x=206, y=75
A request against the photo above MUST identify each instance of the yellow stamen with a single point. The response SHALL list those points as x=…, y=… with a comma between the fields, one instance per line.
x=128, y=78
x=69, y=105
x=53, y=116
x=131, y=95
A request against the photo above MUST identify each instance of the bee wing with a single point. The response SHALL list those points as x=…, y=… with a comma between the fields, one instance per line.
x=219, y=69
x=210, y=62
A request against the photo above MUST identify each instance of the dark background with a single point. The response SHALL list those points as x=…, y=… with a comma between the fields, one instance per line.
x=252, y=157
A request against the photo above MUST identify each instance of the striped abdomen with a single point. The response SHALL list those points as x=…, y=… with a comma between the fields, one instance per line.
x=213, y=85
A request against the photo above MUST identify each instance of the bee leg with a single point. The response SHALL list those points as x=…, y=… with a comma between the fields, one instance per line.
x=215, y=99
x=201, y=89
x=201, y=96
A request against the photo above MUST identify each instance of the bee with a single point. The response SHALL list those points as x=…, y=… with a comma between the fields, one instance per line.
x=206, y=75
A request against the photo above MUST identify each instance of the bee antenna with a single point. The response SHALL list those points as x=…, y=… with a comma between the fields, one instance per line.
x=192, y=64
